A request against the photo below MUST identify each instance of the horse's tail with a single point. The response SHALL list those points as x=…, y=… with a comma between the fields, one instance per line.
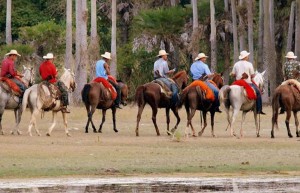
x=224, y=96
x=275, y=106
x=25, y=99
x=139, y=96
x=183, y=96
x=85, y=93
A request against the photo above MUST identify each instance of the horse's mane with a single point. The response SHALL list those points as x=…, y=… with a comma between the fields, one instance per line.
x=178, y=74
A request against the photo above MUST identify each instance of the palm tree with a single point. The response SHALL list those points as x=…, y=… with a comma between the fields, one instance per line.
x=250, y=29
x=241, y=28
x=194, y=46
x=113, y=68
x=8, y=22
x=226, y=42
x=291, y=28
x=260, y=36
x=235, y=36
x=297, y=32
x=69, y=56
x=213, y=41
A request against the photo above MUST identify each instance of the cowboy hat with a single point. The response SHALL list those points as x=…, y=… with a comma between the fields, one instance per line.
x=201, y=55
x=162, y=53
x=13, y=52
x=290, y=55
x=244, y=54
x=106, y=55
x=48, y=56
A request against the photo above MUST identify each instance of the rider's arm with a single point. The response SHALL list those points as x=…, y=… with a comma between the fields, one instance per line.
x=107, y=69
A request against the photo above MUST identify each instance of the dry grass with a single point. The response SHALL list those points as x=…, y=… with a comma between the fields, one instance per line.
x=124, y=154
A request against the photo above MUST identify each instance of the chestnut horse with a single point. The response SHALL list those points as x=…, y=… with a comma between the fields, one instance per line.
x=193, y=99
x=151, y=93
x=287, y=96
x=94, y=95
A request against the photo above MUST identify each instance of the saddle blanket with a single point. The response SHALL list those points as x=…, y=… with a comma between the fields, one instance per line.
x=249, y=90
x=15, y=88
x=107, y=85
x=209, y=94
x=292, y=82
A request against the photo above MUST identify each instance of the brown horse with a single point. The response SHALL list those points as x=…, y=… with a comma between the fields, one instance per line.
x=95, y=96
x=193, y=99
x=288, y=97
x=151, y=93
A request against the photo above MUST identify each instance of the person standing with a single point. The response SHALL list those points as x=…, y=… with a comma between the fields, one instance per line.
x=198, y=70
x=103, y=70
x=48, y=73
x=243, y=67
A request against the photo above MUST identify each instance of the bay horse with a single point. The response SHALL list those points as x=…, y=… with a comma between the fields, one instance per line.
x=193, y=99
x=32, y=98
x=94, y=95
x=11, y=101
x=150, y=93
x=288, y=97
x=235, y=97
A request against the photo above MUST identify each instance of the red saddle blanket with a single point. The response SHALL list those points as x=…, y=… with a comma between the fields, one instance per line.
x=249, y=90
x=107, y=85
x=11, y=84
x=209, y=94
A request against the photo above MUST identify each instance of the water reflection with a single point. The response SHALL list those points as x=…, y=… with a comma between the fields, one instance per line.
x=145, y=185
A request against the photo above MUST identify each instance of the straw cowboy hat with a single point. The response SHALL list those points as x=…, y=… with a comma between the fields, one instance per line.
x=201, y=55
x=290, y=55
x=13, y=52
x=244, y=54
x=162, y=53
x=106, y=55
x=48, y=56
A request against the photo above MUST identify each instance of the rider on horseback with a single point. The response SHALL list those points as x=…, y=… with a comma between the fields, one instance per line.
x=48, y=73
x=8, y=70
x=161, y=72
x=199, y=69
x=103, y=70
x=243, y=69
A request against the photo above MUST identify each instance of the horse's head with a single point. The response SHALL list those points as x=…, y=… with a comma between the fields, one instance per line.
x=181, y=78
x=28, y=75
x=259, y=80
x=218, y=79
x=124, y=92
x=68, y=78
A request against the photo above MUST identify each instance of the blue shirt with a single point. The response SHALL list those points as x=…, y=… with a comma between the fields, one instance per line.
x=198, y=68
x=162, y=67
x=100, y=70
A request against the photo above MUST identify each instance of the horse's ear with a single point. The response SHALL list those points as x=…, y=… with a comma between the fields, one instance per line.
x=263, y=73
x=24, y=67
x=222, y=73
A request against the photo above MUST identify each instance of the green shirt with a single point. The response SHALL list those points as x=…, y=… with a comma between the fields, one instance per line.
x=289, y=68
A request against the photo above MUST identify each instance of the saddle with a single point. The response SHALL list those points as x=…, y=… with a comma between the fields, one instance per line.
x=111, y=92
x=208, y=93
x=295, y=87
x=49, y=94
x=249, y=91
x=165, y=89
x=10, y=86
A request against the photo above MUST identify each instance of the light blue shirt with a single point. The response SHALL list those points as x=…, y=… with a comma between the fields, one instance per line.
x=198, y=68
x=162, y=67
x=100, y=70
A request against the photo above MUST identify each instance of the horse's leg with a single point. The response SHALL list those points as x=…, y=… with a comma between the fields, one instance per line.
x=189, y=122
x=274, y=121
x=242, y=123
x=154, y=113
x=114, y=110
x=256, y=123
x=18, y=113
x=53, y=123
x=287, y=122
x=168, y=119
x=102, y=121
x=1, y=131
x=138, y=119
x=232, y=120
x=88, y=110
x=175, y=111
x=228, y=118
x=34, y=113
x=64, y=115
x=296, y=123
x=90, y=116
x=212, y=122
x=205, y=123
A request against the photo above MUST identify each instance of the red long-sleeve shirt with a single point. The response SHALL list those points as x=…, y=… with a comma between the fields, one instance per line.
x=8, y=67
x=47, y=68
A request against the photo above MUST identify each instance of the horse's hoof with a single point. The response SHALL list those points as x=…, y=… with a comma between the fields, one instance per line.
x=116, y=130
x=68, y=134
x=194, y=135
x=257, y=135
x=48, y=134
x=290, y=136
x=200, y=134
x=214, y=136
x=19, y=132
x=95, y=131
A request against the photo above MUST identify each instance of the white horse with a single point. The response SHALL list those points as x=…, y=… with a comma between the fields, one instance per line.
x=11, y=101
x=37, y=104
x=235, y=96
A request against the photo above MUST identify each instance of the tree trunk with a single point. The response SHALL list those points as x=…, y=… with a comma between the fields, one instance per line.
x=8, y=22
x=250, y=29
x=213, y=38
x=291, y=28
x=69, y=60
x=195, y=34
x=173, y=3
x=226, y=43
x=260, y=61
x=241, y=28
x=81, y=48
x=235, y=36
x=297, y=32
x=113, y=67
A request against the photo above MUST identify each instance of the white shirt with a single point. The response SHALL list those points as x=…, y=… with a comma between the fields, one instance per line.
x=243, y=66
x=162, y=66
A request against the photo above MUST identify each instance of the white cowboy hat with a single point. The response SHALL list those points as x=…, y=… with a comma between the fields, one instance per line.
x=201, y=55
x=290, y=55
x=13, y=52
x=106, y=55
x=244, y=54
x=48, y=56
x=162, y=53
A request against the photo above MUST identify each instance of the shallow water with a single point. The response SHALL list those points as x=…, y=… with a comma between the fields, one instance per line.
x=108, y=185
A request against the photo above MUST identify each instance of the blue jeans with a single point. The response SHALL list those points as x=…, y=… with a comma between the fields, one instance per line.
x=173, y=87
x=216, y=93
x=258, y=99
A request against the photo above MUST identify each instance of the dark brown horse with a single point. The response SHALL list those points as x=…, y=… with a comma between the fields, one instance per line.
x=286, y=96
x=194, y=99
x=96, y=96
x=151, y=93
